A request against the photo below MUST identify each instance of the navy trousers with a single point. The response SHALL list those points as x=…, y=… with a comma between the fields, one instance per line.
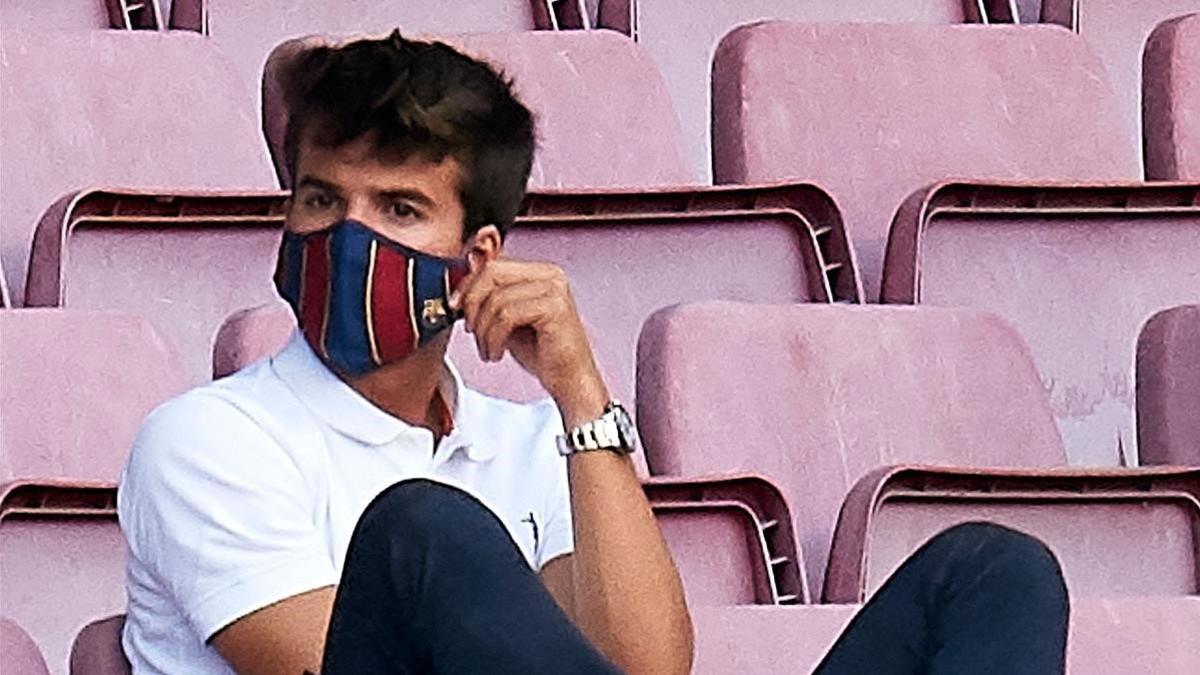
x=434, y=584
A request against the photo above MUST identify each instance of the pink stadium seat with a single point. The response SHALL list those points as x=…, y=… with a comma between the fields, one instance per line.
x=61, y=560
x=1107, y=637
x=248, y=31
x=681, y=35
x=1077, y=269
x=1116, y=532
x=1117, y=30
x=1168, y=387
x=850, y=391
x=129, y=108
x=18, y=654
x=76, y=387
x=182, y=261
x=1171, y=100
x=97, y=649
x=603, y=114
x=57, y=15
x=873, y=112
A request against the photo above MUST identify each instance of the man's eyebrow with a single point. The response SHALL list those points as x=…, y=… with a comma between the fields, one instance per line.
x=410, y=194
x=309, y=181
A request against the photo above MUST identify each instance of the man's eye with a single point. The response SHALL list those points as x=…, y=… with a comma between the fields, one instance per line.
x=319, y=201
x=403, y=210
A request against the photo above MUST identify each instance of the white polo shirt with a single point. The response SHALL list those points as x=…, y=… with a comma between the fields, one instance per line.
x=246, y=491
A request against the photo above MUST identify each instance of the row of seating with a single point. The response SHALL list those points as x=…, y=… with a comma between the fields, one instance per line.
x=890, y=424
x=678, y=35
x=606, y=117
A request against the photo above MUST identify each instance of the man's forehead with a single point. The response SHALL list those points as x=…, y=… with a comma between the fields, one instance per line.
x=360, y=165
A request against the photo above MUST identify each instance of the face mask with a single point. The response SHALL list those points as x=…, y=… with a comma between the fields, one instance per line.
x=363, y=300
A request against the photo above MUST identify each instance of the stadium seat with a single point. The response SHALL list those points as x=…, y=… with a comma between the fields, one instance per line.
x=248, y=31
x=182, y=261
x=873, y=112
x=18, y=653
x=843, y=406
x=1076, y=268
x=1107, y=637
x=681, y=35
x=603, y=114
x=58, y=15
x=129, y=108
x=1168, y=387
x=622, y=251
x=1171, y=100
x=97, y=649
x=76, y=387
x=61, y=560
x=1117, y=30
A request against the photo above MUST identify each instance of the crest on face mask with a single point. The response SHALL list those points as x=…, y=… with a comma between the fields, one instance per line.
x=362, y=300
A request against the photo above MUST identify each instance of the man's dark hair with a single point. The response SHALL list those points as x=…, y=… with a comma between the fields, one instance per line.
x=415, y=98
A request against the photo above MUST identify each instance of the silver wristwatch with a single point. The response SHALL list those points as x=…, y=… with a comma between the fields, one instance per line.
x=613, y=431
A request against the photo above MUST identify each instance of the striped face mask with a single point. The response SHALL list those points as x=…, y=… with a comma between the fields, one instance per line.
x=363, y=300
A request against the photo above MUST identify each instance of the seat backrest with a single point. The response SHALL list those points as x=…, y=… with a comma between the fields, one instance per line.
x=75, y=390
x=18, y=653
x=182, y=262
x=1077, y=269
x=681, y=35
x=58, y=15
x=97, y=649
x=248, y=31
x=1168, y=387
x=1117, y=30
x=1170, y=91
x=604, y=117
x=872, y=112
x=822, y=395
x=129, y=108
x=719, y=551
x=63, y=560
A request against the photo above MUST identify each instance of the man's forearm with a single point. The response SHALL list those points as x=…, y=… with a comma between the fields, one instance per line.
x=628, y=598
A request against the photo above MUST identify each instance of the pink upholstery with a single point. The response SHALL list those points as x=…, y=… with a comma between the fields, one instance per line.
x=251, y=334
x=873, y=112
x=1077, y=269
x=248, y=31
x=100, y=107
x=57, y=15
x=1168, y=387
x=1117, y=30
x=603, y=114
x=61, y=561
x=1107, y=637
x=18, y=653
x=1171, y=100
x=76, y=387
x=182, y=261
x=97, y=649
x=681, y=35
x=822, y=395
x=1116, y=532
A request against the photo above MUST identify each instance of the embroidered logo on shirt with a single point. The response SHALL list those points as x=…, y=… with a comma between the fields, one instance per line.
x=532, y=524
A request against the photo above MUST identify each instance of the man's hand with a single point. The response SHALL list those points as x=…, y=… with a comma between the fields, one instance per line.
x=526, y=309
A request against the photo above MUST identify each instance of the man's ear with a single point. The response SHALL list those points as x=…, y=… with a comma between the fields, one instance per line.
x=484, y=246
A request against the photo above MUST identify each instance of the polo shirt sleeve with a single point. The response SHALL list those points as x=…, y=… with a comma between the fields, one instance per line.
x=558, y=537
x=218, y=513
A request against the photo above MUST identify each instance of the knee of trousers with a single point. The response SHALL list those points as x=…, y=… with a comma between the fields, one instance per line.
x=422, y=510
x=1000, y=551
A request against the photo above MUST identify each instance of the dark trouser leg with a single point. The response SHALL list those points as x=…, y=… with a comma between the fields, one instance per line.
x=433, y=583
x=977, y=598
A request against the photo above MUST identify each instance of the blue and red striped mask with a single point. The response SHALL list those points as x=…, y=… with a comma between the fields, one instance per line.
x=363, y=300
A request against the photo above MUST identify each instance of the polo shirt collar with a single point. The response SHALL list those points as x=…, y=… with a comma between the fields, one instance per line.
x=344, y=409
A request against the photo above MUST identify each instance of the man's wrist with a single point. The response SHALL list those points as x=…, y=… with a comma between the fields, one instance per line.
x=583, y=400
